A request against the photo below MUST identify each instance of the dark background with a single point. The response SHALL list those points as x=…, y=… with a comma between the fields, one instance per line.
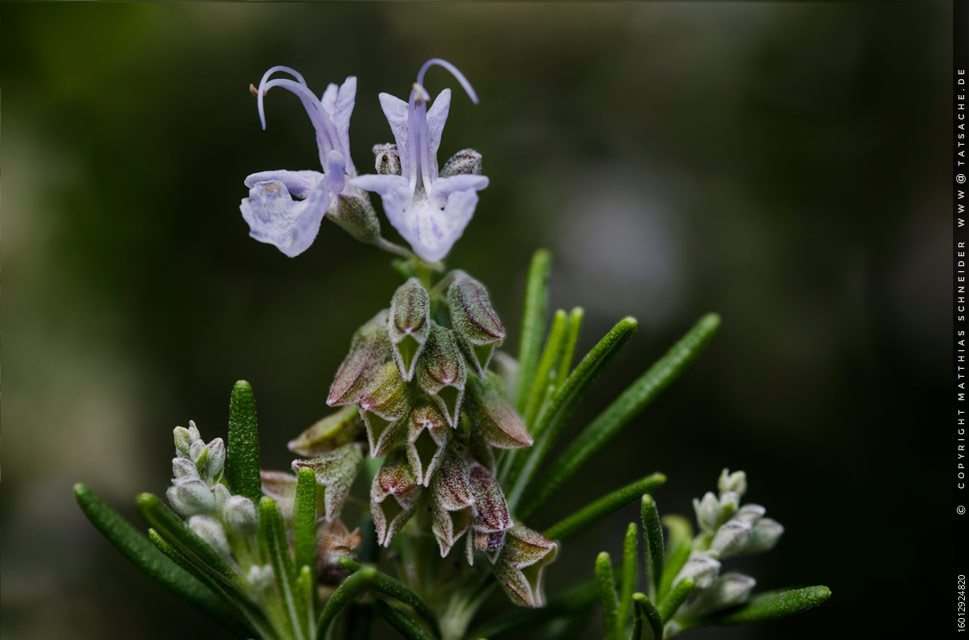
x=784, y=165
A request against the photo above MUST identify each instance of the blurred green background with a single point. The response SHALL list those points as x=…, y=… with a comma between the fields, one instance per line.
x=784, y=165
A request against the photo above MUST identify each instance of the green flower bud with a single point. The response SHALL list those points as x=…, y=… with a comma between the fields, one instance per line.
x=474, y=320
x=327, y=434
x=211, y=531
x=393, y=496
x=466, y=161
x=387, y=161
x=185, y=437
x=354, y=213
x=240, y=514
x=521, y=564
x=369, y=350
x=409, y=325
x=335, y=472
x=492, y=416
x=427, y=436
x=441, y=373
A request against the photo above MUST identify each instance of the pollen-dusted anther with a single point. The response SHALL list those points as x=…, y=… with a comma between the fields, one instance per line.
x=442, y=374
x=427, y=436
x=335, y=472
x=492, y=416
x=393, y=495
x=335, y=430
x=409, y=325
x=369, y=350
x=422, y=95
x=521, y=564
x=474, y=320
x=384, y=407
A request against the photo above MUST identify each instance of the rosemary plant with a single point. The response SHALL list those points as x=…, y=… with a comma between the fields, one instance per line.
x=450, y=433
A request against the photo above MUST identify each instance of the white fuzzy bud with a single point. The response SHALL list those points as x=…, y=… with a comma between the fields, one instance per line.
x=214, y=460
x=731, y=538
x=729, y=590
x=240, y=514
x=729, y=504
x=209, y=529
x=764, y=536
x=702, y=569
x=260, y=576
x=736, y=482
x=184, y=468
x=750, y=513
x=707, y=512
x=191, y=496
x=222, y=495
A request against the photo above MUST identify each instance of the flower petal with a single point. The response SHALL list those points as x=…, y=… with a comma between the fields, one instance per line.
x=299, y=183
x=395, y=110
x=275, y=218
x=436, y=117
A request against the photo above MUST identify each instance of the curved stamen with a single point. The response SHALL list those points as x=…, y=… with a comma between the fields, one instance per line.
x=326, y=131
x=454, y=72
x=263, y=89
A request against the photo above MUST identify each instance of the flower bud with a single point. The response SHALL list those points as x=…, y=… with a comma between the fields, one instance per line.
x=427, y=435
x=184, y=468
x=393, y=496
x=327, y=434
x=702, y=569
x=240, y=514
x=335, y=472
x=209, y=529
x=260, y=576
x=185, y=437
x=369, y=350
x=354, y=213
x=474, y=320
x=409, y=325
x=214, y=460
x=492, y=416
x=766, y=532
x=222, y=495
x=387, y=159
x=729, y=590
x=520, y=566
x=732, y=537
x=197, y=453
x=190, y=496
x=466, y=161
x=491, y=511
x=750, y=513
x=441, y=373
x=736, y=482
x=707, y=512
x=384, y=407
x=729, y=503
x=281, y=487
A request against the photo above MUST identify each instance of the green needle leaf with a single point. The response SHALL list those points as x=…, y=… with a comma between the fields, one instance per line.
x=390, y=587
x=306, y=585
x=220, y=586
x=653, y=542
x=533, y=325
x=345, y=594
x=144, y=555
x=174, y=530
x=675, y=598
x=545, y=365
x=773, y=605
x=602, y=507
x=564, y=366
x=627, y=406
x=606, y=585
x=572, y=601
x=627, y=577
x=646, y=615
x=242, y=450
x=274, y=532
x=561, y=404
x=304, y=519
x=404, y=625
x=677, y=552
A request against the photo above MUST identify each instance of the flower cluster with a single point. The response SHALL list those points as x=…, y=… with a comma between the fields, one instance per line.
x=726, y=529
x=429, y=208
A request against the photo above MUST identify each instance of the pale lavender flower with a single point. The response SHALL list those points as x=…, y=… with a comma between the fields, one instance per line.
x=285, y=208
x=429, y=211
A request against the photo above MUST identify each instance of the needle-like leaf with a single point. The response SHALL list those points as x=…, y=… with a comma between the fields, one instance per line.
x=627, y=406
x=645, y=615
x=533, y=325
x=773, y=605
x=627, y=575
x=174, y=530
x=274, y=532
x=242, y=450
x=677, y=596
x=304, y=519
x=390, y=587
x=677, y=551
x=602, y=507
x=564, y=366
x=653, y=543
x=606, y=585
x=345, y=594
x=404, y=625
